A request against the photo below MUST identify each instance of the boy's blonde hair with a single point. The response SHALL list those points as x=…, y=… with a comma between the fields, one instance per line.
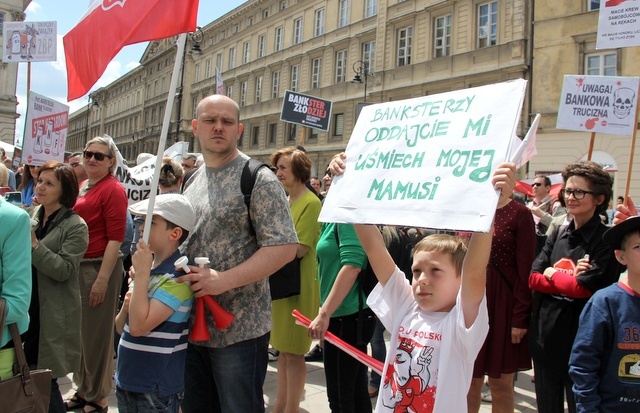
x=447, y=244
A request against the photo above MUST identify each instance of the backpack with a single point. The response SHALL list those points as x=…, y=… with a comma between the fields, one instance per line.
x=247, y=181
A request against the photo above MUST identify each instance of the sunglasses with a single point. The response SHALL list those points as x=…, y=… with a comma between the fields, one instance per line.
x=536, y=184
x=98, y=156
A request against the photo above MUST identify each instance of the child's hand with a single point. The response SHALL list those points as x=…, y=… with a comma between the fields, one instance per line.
x=504, y=178
x=625, y=211
x=127, y=300
x=142, y=260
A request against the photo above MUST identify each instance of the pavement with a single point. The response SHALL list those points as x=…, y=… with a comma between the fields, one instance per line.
x=314, y=399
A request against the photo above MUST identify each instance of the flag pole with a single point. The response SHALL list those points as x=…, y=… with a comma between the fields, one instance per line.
x=591, y=142
x=182, y=40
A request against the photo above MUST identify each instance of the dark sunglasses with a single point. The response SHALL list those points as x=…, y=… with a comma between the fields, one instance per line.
x=536, y=184
x=98, y=156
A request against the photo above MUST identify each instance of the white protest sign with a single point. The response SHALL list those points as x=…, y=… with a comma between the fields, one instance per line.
x=137, y=180
x=29, y=41
x=45, y=130
x=523, y=152
x=427, y=161
x=602, y=104
x=618, y=24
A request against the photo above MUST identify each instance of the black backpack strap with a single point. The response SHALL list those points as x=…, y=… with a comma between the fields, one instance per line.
x=247, y=181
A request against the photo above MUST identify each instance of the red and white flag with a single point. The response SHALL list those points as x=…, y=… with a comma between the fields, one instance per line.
x=109, y=25
x=219, y=82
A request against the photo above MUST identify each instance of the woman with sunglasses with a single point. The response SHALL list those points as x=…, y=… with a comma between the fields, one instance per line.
x=103, y=205
x=574, y=263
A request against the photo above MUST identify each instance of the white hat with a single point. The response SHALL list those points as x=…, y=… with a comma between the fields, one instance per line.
x=175, y=208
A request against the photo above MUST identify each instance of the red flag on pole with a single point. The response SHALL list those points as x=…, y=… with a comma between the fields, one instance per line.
x=109, y=25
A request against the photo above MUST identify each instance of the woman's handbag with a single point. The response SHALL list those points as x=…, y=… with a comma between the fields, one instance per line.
x=286, y=281
x=27, y=391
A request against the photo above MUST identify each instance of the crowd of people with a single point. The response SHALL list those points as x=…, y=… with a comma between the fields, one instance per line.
x=543, y=288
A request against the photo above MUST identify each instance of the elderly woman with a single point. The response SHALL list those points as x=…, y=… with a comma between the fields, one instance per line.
x=15, y=287
x=293, y=168
x=59, y=239
x=574, y=263
x=103, y=205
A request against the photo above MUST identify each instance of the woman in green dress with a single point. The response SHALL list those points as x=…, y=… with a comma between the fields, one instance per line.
x=293, y=168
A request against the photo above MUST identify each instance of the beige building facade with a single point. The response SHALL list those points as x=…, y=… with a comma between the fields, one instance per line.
x=10, y=10
x=564, y=43
x=399, y=50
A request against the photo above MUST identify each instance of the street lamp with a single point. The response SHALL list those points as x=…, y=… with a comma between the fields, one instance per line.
x=361, y=69
x=196, y=37
x=90, y=103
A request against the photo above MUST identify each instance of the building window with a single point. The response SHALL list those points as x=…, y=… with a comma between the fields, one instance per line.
x=297, y=31
x=341, y=66
x=295, y=77
x=343, y=12
x=258, y=89
x=442, y=36
x=261, y=45
x=197, y=72
x=207, y=69
x=249, y=21
x=283, y=5
x=273, y=133
x=275, y=85
x=232, y=58
x=235, y=28
x=370, y=8
x=487, y=24
x=219, y=61
x=338, y=124
x=255, y=136
x=318, y=29
x=369, y=55
x=243, y=94
x=230, y=91
x=404, y=46
x=600, y=64
x=316, y=65
x=593, y=5
x=290, y=132
x=246, y=50
x=312, y=134
x=265, y=13
x=278, y=39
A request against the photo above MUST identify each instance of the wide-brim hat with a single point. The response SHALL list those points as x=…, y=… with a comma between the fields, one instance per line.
x=174, y=208
x=616, y=233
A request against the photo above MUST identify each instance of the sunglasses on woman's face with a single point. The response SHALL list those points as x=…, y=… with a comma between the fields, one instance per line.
x=98, y=156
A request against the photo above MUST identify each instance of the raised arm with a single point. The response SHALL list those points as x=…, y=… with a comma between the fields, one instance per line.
x=376, y=250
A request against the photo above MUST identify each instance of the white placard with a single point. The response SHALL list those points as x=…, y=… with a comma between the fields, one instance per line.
x=428, y=161
x=602, y=104
x=618, y=24
x=45, y=130
x=29, y=41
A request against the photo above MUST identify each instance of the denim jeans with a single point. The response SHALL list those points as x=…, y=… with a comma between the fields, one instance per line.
x=226, y=379
x=131, y=402
x=378, y=351
x=346, y=377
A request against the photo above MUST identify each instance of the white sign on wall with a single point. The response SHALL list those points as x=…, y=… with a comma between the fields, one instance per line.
x=45, y=130
x=29, y=42
x=618, y=24
x=602, y=104
x=427, y=161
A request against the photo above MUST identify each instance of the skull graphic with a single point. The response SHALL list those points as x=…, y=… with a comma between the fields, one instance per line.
x=623, y=99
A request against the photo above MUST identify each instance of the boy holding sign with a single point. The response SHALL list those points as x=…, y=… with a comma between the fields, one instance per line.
x=438, y=323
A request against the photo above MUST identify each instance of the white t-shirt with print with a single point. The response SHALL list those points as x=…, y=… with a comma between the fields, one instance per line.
x=430, y=358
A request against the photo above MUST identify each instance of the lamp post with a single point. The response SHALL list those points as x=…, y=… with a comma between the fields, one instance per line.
x=86, y=127
x=196, y=37
x=361, y=69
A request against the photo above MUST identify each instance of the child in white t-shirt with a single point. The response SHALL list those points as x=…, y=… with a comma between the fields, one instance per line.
x=438, y=323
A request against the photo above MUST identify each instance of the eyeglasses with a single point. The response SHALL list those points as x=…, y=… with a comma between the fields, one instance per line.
x=33, y=166
x=577, y=193
x=536, y=184
x=74, y=164
x=98, y=156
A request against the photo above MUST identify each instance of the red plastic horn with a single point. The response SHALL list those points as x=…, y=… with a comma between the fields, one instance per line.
x=221, y=317
x=200, y=332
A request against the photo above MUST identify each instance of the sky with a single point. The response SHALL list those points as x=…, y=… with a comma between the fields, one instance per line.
x=50, y=78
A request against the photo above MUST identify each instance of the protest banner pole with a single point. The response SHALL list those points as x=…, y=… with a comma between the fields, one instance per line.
x=633, y=147
x=181, y=42
x=591, y=142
